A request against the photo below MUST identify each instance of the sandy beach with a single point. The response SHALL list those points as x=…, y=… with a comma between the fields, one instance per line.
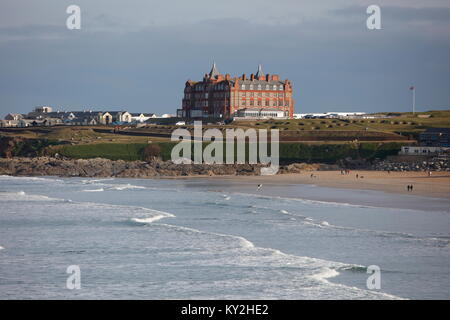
x=436, y=186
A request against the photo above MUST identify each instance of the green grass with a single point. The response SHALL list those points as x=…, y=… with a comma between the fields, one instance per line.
x=289, y=152
x=112, y=151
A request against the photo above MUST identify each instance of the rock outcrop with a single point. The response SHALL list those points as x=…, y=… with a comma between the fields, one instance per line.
x=430, y=165
x=99, y=167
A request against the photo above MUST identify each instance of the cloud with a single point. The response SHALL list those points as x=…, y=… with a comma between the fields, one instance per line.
x=332, y=59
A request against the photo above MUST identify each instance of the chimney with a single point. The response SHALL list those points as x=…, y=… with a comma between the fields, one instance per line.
x=227, y=76
x=267, y=77
x=243, y=76
x=275, y=77
x=252, y=77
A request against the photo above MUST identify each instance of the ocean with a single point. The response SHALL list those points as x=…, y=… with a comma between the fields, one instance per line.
x=217, y=239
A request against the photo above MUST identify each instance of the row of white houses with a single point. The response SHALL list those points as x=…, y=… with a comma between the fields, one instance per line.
x=45, y=116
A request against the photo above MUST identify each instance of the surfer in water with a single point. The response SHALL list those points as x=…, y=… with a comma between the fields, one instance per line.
x=259, y=186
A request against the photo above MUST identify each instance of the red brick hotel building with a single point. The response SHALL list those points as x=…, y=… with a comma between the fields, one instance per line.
x=220, y=96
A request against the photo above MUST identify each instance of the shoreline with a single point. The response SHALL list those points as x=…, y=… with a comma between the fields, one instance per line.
x=436, y=186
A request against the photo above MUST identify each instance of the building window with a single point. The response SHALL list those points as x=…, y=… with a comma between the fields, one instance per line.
x=267, y=103
x=251, y=102
x=259, y=87
x=281, y=87
x=259, y=102
x=243, y=87
x=274, y=87
x=251, y=87
x=267, y=87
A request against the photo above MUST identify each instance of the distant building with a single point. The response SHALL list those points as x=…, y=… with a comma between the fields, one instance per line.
x=141, y=117
x=260, y=114
x=9, y=123
x=43, y=109
x=45, y=116
x=167, y=115
x=330, y=115
x=14, y=116
x=23, y=123
x=422, y=151
x=435, y=137
x=220, y=96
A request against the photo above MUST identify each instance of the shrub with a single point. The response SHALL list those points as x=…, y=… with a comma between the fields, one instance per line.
x=151, y=152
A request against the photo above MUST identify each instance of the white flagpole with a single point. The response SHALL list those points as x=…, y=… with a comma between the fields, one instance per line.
x=414, y=99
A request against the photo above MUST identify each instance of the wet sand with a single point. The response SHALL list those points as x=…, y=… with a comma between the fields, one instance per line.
x=435, y=186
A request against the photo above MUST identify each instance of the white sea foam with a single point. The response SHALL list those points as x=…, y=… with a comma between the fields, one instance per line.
x=41, y=179
x=1, y=248
x=314, y=269
x=94, y=190
x=243, y=243
x=125, y=187
x=306, y=201
x=153, y=218
x=23, y=196
x=325, y=274
x=95, y=181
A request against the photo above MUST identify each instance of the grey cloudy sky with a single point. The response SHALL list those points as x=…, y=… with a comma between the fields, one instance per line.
x=137, y=55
